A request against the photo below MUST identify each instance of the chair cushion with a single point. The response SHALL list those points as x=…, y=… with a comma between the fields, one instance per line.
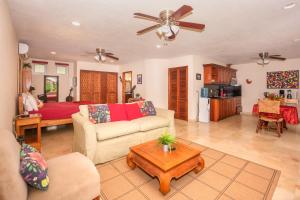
x=11, y=181
x=268, y=119
x=99, y=113
x=133, y=111
x=115, y=129
x=151, y=122
x=117, y=112
x=73, y=176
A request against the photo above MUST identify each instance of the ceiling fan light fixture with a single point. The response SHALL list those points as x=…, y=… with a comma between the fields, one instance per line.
x=263, y=62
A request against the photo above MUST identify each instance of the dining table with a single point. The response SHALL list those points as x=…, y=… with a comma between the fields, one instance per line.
x=289, y=113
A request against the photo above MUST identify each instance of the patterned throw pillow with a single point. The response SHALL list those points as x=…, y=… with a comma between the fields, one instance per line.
x=25, y=150
x=147, y=108
x=99, y=113
x=34, y=169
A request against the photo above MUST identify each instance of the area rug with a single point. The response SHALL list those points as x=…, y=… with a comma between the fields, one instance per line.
x=224, y=177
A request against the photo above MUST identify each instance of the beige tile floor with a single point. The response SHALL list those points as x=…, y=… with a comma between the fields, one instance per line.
x=235, y=135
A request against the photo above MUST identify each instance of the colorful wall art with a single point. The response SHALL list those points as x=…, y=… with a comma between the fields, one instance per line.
x=283, y=79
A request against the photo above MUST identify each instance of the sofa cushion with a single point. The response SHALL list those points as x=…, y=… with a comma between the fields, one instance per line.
x=11, y=181
x=151, y=122
x=133, y=111
x=146, y=108
x=115, y=129
x=83, y=110
x=73, y=176
x=117, y=112
x=25, y=150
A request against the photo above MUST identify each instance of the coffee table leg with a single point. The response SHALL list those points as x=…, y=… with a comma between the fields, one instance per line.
x=131, y=164
x=164, y=180
x=200, y=165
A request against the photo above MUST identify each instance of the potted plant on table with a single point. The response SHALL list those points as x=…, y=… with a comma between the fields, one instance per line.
x=167, y=140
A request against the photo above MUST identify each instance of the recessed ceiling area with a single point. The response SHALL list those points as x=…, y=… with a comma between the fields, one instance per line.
x=236, y=31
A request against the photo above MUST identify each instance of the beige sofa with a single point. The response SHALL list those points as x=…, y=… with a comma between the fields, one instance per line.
x=72, y=176
x=107, y=141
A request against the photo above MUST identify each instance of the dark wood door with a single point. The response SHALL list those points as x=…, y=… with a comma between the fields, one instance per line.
x=178, y=92
x=98, y=87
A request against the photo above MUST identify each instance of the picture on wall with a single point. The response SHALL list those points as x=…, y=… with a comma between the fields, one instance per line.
x=139, y=79
x=283, y=79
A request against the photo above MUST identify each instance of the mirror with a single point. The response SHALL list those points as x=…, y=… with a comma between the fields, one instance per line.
x=126, y=86
x=51, y=85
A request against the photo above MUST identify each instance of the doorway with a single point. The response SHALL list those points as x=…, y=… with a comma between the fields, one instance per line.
x=51, y=86
x=178, y=91
x=127, y=86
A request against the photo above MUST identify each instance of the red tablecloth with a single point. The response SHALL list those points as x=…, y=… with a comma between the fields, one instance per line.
x=290, y=113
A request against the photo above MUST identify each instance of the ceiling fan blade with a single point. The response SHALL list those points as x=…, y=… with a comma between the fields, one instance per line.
x=191, y=25
x=276, y=58
x=112, y=57
x=110, y=54
x=149, y=17
x=181, y=12
x=276, y=55
x=148, y=29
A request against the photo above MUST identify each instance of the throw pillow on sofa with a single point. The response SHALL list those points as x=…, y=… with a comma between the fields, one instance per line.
x=117, y=112
x=147, y=108
x=99, y=113
x=25, y=150
x=133, y=111
x=34, y=169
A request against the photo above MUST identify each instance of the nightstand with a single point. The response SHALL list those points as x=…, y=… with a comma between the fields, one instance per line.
x=30, y=122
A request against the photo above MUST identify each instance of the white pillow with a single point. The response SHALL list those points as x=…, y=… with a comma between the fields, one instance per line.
x=29, y=102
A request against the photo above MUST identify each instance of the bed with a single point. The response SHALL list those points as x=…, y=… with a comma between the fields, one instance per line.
x=54, y=113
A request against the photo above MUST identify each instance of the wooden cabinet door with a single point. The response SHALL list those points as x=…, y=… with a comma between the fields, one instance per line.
x=96, y=82
x=173, y=91
x=112, y=88
x=183, y=93
x=86, y=86
x=178, y=92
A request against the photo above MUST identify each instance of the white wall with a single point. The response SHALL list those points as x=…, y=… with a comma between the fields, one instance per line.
x=257, y=73
x=65, y=81
x=94, y=66
x=8, y=67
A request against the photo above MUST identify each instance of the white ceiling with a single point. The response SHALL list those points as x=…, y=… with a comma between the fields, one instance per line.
x=236, y=30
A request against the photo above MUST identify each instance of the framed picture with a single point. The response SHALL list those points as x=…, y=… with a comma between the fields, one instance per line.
x=283, y=79
x=139, y=79
x=198, y=76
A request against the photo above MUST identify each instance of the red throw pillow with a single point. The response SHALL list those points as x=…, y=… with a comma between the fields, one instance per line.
x=133, y=111
x=117, y=112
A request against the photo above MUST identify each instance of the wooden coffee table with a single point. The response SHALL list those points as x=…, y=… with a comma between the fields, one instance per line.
x=150, y=157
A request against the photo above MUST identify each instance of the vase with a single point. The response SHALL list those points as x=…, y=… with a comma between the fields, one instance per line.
x=166, y=148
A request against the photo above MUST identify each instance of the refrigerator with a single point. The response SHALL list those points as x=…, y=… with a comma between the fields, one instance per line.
x=204, y=107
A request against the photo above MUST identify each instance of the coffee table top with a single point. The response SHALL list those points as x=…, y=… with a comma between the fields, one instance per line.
x=153, y=152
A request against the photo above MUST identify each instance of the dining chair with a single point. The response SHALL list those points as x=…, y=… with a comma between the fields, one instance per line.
x=269, y=112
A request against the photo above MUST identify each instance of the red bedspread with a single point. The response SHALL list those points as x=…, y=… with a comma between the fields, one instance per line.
x=290, y=113
x=59, y=110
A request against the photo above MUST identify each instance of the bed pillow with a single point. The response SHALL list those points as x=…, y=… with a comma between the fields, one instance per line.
x=29, y=102
x=34, y=169
x=133, y=111
x=99, y=113
x=117, y=112
x=146, y=108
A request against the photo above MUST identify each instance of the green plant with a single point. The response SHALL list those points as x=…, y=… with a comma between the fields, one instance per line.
x=167, y=139
x=27, y=65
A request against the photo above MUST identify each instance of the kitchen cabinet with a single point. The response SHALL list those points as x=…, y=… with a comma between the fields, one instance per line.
x=217, y=74
x=221, y=108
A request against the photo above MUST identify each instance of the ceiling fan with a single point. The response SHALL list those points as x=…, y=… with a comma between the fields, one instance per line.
x=264, y=58
x=102, y=55
x=168, y=25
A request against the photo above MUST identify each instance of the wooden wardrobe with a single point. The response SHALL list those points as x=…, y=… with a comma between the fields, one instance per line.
x=98, y=87
x=178, y=92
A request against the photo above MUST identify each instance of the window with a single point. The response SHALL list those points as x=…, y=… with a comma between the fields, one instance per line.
x=39, y=68
x=62, y=70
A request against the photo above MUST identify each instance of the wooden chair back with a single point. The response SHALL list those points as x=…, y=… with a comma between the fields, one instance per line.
x=269, y=106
